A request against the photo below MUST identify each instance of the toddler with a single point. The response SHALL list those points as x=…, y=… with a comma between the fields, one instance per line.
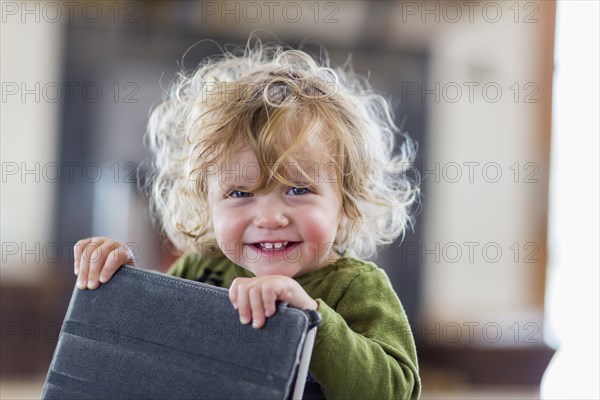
x=276, y=176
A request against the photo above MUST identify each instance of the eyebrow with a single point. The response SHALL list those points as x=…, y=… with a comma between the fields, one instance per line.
x=227, y=187
x=307, y=183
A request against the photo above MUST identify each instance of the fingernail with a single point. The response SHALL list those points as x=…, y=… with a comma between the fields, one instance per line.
x=91, y=283
x=80, y=284
x=244, y=320
x=102, y=279
x=234, y=306
x=256, y=325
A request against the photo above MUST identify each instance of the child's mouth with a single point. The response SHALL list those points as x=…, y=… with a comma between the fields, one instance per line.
x=273, y=246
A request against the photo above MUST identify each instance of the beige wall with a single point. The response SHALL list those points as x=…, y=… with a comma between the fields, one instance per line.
x=31, y=54
x=497, y=212
x=480, y=212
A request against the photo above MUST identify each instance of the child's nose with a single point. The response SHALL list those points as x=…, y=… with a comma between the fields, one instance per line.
x=270, y=215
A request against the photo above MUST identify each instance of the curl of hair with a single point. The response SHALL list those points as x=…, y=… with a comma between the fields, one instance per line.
x=244, y=99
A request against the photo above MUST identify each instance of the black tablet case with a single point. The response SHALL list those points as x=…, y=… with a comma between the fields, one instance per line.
x=146, y=335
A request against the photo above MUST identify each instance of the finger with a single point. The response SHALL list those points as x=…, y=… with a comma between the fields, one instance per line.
x=243, y=303
x=115, y=260
x=119, y=255
x=77, y=251
x=269, y=297
x=94, y=259
x=84, y=263
x=256, y=304
x=233, y=292
x=97, y=264
x=128, y=256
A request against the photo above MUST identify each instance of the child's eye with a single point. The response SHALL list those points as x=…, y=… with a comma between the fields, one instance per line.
x=298, y=191
x=238, y=194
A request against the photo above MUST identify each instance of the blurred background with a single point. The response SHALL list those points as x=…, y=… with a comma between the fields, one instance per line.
x=500, y=275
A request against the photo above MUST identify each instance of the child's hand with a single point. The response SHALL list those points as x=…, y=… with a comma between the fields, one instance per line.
x=97, y=259
x=255, y=297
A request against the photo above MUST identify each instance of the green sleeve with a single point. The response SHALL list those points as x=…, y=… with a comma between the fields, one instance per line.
x=364, y=348
x=216, y=271
x=185, y=266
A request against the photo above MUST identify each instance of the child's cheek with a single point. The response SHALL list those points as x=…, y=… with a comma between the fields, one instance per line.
x=232, y=225
x=224, y=228
x=318, y=228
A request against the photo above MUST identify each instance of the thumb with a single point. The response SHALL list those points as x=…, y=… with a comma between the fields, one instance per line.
x=130, y=257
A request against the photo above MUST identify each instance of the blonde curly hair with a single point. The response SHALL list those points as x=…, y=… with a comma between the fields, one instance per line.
x=247, y=99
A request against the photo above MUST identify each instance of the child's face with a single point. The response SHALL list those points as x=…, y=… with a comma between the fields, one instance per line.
x=288, y=231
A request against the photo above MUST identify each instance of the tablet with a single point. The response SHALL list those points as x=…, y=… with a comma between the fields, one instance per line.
x=147, y=335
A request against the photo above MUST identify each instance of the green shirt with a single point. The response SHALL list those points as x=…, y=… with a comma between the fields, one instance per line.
x=364, y=348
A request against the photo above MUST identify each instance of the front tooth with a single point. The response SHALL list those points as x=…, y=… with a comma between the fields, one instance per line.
x=277, y=245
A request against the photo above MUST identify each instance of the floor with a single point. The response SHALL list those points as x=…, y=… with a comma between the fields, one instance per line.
x=32, y=389
x=495, y=393
x=21, y=389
